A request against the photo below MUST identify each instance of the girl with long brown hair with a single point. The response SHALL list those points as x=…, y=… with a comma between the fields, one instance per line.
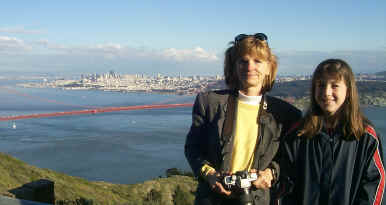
x=334, y=155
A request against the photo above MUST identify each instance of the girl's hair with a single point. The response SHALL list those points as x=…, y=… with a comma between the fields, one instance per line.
x=348, y=117
x=248, y=46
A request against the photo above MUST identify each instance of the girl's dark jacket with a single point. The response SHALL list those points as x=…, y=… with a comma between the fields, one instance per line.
x=209, y=140
x=327, y=169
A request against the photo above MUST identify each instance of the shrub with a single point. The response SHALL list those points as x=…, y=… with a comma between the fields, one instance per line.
x=183, y=197
x=153, y=197
x=173, y=171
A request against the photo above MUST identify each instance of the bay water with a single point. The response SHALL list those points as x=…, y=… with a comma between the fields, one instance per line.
x=123, y=147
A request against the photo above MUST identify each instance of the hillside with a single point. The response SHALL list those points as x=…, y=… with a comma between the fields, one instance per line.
x=301, y=88
x=74, y=190
x=371, y=93
x=383, y=73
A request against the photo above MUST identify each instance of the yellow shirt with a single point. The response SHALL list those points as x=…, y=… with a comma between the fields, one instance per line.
x=245, y=137
x=246, y=125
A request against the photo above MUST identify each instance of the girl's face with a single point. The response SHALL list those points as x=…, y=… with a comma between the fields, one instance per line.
x=330, y=94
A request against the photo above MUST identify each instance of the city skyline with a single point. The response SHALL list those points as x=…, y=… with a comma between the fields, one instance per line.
x=185, y=37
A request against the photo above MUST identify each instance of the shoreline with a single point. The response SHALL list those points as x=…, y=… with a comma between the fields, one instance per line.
x=104, y=89
x=300, y=102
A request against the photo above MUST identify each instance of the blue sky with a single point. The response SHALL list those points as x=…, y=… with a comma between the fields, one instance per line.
x=187, y=37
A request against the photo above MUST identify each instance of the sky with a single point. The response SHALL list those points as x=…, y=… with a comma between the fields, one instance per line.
x=173, y=37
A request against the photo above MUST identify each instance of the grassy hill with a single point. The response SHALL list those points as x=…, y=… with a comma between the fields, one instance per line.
x=381, y=73
x=74, y=190
x=371, y=93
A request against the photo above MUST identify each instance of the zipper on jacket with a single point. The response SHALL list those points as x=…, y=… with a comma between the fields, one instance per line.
x=260, y=138
x=331, y=141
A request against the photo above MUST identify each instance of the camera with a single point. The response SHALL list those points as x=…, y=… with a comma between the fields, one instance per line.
x=243, y=181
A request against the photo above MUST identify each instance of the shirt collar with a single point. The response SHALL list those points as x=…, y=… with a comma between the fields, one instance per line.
x=251, y=100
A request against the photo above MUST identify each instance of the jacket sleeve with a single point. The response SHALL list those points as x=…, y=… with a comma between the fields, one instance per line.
x=291, y=121
x=195, y=140
x=373, y=182
x=288, y=155
x=288, y=116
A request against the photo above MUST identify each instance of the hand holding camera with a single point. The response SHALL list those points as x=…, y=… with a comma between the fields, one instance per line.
x=241, y=179
x=264, y=181
x=240, y=183
x=215, y=184
x=244, y=180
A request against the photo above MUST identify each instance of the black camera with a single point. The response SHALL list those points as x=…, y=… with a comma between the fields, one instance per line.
x=241, y=180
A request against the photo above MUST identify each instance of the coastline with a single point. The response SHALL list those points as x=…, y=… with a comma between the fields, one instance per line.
x=368, y=99
x=302, y=103
x=182, y=91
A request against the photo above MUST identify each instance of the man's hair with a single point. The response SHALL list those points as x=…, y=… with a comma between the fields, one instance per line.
x=255, y=48
x=348, y=117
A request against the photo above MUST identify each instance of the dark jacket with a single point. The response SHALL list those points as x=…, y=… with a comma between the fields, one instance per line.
x=209, y=140
x=327, y=169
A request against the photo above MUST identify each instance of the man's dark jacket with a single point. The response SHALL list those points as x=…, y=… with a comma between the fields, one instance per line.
x=210, y=139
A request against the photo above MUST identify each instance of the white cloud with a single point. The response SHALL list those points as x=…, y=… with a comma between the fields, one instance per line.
x=197, y=53
x=10, y=40
x=109, y=47
x=11, y=44
x=19, y=30
x=44, y=54
x=114, y=50
x=43, y=42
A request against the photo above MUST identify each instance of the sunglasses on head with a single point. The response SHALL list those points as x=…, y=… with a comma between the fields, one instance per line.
x=259, y=36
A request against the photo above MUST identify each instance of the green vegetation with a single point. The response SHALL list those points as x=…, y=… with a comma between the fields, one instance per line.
x=297, y=92
x=173, y=190
x=382, y=73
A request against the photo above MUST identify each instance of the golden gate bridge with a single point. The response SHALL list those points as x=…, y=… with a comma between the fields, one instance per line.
x=93, y=110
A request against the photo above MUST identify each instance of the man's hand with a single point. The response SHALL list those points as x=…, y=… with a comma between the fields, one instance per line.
x=264, y=179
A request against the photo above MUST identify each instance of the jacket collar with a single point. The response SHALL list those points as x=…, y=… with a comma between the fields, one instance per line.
x=230, y=108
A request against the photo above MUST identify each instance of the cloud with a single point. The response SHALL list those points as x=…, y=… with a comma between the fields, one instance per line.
x=11, y=40
x=108, y=48
x=11, y=44
x=19, y=30
x=197, y=53
x=112, y=50
x=50, y=46
x=44, y=55
x=42, y=42
x=119, y=51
